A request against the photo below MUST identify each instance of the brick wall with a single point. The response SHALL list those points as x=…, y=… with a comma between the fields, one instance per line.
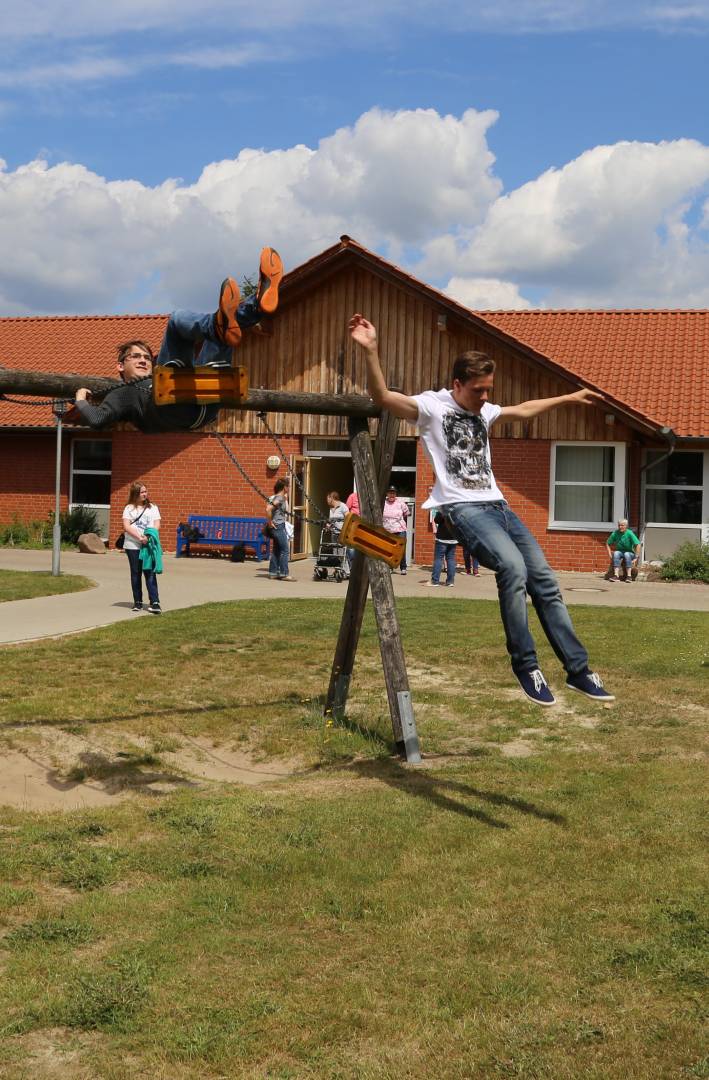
x=27, y=465
x=189, y=474
x=522, y=470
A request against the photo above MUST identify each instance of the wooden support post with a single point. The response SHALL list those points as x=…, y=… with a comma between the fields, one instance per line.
x=370, y=487
x=358, y=587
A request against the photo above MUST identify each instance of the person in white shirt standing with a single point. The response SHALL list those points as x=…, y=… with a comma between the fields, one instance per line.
x=140, y=514
x=454, y=427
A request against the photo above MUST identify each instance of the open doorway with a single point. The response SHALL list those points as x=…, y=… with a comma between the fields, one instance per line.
x=327, y=474
x=330, y=469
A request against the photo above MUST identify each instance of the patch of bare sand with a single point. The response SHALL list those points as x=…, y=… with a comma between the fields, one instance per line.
x=54, y=1054
x=518, y=748
x=62, y=771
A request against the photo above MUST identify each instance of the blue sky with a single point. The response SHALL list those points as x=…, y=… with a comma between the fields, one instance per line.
x=552, y=153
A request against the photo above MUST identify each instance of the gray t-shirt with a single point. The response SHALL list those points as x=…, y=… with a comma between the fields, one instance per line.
x=280, y=509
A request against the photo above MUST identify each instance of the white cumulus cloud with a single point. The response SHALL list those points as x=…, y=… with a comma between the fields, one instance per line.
x=487, y=294
x=622, y=225
x=610, y=228
x=81, y=243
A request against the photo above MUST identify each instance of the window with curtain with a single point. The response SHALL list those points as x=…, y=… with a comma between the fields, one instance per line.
x=674, y=488
x=587, y=484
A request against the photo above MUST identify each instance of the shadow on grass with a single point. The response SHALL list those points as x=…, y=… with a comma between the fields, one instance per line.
x=122, y=773
x=441, y=793
x=117, y=718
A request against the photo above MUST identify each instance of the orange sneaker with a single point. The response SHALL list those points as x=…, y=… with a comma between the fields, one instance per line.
x=226, y=327
x=270, y=274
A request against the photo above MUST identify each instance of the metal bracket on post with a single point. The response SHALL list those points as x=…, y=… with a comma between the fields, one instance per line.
x=408, y=728
x=339, y=701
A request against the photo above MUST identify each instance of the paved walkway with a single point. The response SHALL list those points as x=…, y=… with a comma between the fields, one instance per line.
x=187, y=582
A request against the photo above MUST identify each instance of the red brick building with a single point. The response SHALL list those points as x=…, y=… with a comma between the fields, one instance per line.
x=570, y=473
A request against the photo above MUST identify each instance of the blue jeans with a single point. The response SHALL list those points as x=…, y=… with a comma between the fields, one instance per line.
x=136, y=576
x=501, y=542
x=471, y=563
x=402, y=564
x=280, y=547
x=623, y=556
x=443, y=551
x=186, y=328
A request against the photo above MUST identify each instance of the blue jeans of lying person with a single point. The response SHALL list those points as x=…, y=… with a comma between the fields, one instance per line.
x=502, y=543
x=280, y=547
x=136, y=579
x=186, y=328
x=443, y=552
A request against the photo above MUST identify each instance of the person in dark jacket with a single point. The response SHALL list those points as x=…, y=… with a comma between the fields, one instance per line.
x=216, y=333
x=444, y=551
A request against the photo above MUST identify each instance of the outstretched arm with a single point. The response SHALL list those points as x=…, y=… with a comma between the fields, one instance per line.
x=527, y=409
x=117, y=405
x=364, y=334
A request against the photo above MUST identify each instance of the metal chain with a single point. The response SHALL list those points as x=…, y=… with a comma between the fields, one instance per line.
x=281, y=451
x=33, y=401
x=229, y=453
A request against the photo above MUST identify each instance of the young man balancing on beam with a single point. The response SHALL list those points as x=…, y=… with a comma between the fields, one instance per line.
x=218, y=334
x=454, y=426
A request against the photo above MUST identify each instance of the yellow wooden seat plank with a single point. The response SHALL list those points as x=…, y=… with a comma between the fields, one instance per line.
x=373, y=540
x=199, y=385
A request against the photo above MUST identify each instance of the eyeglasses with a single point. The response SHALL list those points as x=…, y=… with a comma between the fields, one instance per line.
x=137, y=356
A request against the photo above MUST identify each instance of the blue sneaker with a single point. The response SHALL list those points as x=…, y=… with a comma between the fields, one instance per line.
x=590, y=685
x=535, y=687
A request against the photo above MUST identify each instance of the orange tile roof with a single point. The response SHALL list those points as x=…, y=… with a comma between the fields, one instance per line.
x=626, y=354
x=655, y=361
x=591, y=345
x=85, y=345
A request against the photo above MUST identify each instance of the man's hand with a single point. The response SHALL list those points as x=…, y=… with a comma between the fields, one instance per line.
x=585, y=397
x=82, y=394
x=363, y=332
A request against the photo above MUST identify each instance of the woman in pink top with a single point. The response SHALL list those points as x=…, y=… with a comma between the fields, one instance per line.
x=394, y=517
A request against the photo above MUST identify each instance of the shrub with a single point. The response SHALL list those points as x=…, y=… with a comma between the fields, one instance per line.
x=19, y=533
x=82, y=519
x=690, y=562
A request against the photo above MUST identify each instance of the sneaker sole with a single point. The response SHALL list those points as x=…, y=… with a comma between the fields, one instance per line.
x=591, y=697
x=270, y=274
x=227, y=328
x=536, y=701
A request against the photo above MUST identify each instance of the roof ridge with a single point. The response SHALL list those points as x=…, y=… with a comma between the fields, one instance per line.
x=76, y=318
x=590, y=311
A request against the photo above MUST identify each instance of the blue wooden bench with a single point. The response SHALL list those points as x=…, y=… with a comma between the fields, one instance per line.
x=225, y=531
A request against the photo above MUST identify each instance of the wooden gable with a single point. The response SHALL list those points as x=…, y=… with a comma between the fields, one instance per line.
x=308, y=348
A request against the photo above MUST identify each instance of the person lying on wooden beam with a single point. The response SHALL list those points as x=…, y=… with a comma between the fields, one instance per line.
x=454, y=426
x=217, y=333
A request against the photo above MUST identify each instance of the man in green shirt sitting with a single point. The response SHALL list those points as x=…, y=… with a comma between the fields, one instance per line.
x=623, y=548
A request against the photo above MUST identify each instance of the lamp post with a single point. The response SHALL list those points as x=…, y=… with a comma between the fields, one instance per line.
x=58, y=408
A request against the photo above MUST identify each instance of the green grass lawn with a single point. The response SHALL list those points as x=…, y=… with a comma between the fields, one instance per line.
x=529, y=903
x=25, y=584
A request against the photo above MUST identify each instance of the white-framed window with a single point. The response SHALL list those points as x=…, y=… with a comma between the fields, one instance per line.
x=675, y=488
x=91, y=478
x=587, y=485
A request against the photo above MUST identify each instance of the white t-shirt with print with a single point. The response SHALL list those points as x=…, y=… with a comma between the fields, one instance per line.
x=458, y=446
x=147, y=521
